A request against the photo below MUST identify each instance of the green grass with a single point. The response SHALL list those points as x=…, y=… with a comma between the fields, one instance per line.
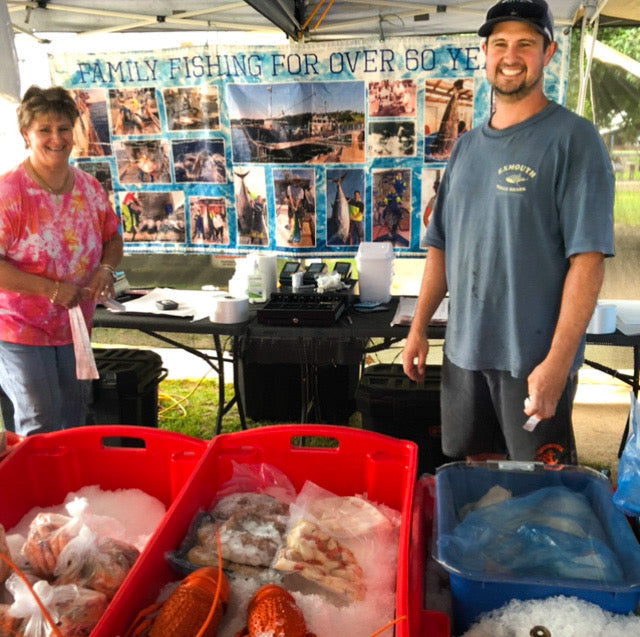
x=190, y=407
x=627, y=207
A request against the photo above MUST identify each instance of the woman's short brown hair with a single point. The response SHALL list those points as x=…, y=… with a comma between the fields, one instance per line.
x=45, y=101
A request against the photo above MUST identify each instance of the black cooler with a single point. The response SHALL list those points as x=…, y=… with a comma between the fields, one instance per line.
x=127, y=391
x=394, y=405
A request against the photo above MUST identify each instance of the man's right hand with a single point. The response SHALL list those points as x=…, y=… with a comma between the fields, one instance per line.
x=414, y=356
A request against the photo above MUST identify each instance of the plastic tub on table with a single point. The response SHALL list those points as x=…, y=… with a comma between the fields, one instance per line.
x=379, y=466
x=474, y=592
x=44, y=468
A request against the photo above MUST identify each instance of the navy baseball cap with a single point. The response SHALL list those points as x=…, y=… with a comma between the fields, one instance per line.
x=534, y=12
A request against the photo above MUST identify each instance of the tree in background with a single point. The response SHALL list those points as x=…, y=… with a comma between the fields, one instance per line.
x=614, y=94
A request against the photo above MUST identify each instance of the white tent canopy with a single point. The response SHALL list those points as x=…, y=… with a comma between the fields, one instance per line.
x=299, y=19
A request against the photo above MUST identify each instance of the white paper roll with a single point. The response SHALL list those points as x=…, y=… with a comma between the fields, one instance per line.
x=230, y=309
x=603, y=320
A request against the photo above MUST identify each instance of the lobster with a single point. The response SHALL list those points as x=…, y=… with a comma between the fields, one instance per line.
x=273, y=611
x=194, y=609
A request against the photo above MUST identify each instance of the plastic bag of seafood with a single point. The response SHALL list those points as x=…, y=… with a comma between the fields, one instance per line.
x=509, y=530
x=45, y=468
x=352, y=469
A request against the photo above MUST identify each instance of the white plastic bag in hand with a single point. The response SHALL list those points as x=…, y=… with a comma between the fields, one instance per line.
x=85, y=362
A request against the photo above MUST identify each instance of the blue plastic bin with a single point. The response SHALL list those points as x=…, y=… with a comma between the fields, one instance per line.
x=459, y=484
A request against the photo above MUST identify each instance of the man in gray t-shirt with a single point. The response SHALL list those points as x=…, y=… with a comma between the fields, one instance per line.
x=521, y=225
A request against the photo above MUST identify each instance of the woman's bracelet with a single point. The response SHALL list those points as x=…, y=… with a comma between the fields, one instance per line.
x=110, y=269
x=54, y=296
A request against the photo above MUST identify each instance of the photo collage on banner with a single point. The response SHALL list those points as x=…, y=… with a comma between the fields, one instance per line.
x=305, y=150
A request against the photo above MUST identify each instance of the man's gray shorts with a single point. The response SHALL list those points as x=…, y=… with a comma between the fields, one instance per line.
x=482, y=412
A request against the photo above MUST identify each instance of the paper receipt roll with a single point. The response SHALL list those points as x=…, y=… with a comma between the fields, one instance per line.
x=230, y=309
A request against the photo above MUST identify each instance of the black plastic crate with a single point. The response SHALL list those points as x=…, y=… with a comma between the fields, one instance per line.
x=282, y=391
x=391, y=403
x=127, y=391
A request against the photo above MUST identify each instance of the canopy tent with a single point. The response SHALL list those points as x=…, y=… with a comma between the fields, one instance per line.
x=299, y=19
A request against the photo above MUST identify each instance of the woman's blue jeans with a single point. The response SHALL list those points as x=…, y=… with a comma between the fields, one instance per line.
x=41, y=383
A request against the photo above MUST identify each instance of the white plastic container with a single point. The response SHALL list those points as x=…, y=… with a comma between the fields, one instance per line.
x=603, y=320
x=374, y=262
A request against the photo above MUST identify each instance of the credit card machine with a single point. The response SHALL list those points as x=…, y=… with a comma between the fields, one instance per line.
x=289, y=268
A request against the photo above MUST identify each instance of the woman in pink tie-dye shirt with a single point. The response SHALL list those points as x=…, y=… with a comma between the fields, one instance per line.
x=59, y=247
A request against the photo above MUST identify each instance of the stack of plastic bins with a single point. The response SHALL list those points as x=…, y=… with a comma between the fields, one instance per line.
x=424, y=621
x=362, y=462
x=474, y=592
x=43, y=469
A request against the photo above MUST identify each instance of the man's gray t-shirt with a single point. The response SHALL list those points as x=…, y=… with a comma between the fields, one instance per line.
x=512, y=207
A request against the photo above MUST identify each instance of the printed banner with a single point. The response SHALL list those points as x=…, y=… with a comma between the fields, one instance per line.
x=305, y=150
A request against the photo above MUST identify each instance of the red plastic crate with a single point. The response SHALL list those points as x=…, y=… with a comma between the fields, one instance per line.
x=44, y=468
x=379, y=466
x=423, y=622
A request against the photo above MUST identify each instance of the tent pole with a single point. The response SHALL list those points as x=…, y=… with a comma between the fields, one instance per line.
x=9, y=73
x=585, y=66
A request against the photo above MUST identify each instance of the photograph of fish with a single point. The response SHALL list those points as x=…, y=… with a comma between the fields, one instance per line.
x=195, y=108
x=153, y=216
x=199, y=160
x=134, y=111
x=448, y=113
x=393, y=138
x=295, y=207
x=91, y=131
x=391, y=206
x=141, y=162
x=392, y=98
x=429, y=183
x=345, y=206
x=208, y=220
x=251, y=205
x=309, y=122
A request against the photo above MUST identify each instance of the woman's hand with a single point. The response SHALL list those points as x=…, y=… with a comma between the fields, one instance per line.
x=67, y=294
x=101, y=284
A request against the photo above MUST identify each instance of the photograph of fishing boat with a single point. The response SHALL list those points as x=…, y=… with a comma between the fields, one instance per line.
x=153, y=216
x=199, y=160
x=295, y=207
x=308, y=122
x=142, y=161
x=392, y=98
x=448, y=113
x=192, y=108
x=345, y=206
x=249, y=188
x=391, y=206
x=91, y=131
x=134, y=111
x=208, y=220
